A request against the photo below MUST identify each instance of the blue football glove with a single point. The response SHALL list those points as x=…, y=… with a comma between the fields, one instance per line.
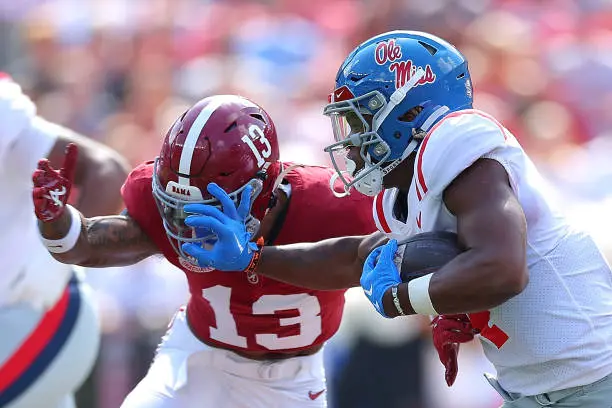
x=379, y=274
x=233, y=249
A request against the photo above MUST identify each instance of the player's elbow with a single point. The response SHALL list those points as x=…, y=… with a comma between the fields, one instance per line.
x=69, y=258
x=81, y=258
x=516, y=279
x=104, y=174
x=509, y=275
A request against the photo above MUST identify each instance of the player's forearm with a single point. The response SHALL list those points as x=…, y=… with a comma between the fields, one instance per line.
x=103, y=241
x=475, y=281
x=325, y=265
x=472, y=282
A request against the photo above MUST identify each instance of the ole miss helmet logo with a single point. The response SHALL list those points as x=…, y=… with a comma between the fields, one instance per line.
x=389, y=51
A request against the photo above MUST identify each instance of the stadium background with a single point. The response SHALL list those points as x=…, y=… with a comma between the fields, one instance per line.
x=120, y=71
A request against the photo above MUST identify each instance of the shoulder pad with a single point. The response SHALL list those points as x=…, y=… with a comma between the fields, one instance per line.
x=452, y=146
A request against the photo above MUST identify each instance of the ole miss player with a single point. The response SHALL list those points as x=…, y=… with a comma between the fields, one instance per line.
x=49, y=332
x=535, y=287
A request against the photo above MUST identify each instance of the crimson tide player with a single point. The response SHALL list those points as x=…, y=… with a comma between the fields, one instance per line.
x=243, y=340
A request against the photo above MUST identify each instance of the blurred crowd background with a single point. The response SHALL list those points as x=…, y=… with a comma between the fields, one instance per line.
x=120, y=71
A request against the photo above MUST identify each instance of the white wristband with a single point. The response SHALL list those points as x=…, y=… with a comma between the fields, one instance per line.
x=59, y=246
x=418, y=294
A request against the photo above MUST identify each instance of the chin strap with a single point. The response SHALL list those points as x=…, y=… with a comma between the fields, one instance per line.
x=436, y=114
x=417, y=137
x=279, y=180
x=283, y=173
x=396, y=98
x=332, y=185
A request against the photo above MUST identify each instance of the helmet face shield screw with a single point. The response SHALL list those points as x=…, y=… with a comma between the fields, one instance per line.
x=380, y=149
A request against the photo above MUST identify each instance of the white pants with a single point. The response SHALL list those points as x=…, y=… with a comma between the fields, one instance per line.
x=595, y=395
x=187, y=373
x=46, y=355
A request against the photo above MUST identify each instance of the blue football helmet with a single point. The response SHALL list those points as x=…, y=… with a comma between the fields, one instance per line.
x=378, y=84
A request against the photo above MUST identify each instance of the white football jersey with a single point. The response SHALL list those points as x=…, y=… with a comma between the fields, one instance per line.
x=558, y=332
x=29, y=273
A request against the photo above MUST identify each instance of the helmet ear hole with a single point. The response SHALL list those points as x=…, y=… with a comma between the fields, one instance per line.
x=411, y=114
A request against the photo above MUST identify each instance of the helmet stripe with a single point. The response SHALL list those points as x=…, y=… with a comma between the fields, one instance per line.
x=193, y=136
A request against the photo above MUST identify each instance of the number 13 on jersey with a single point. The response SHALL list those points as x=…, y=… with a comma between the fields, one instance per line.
x=308, y=319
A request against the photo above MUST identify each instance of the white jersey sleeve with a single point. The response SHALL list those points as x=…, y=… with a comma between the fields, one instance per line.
x=32, y=145
x=16, y=114
x=24, y=137
x=452, y=146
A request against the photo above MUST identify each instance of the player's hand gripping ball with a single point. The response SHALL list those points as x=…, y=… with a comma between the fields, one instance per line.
x=379, y=274
x=393, y=263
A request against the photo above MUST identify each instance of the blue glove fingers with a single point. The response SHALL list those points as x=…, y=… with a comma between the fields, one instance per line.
x=204, y=257
x=211, y=224
x=372, y=259
x=206, y=210
x=390, y=247
x=229, y=208
x=245, y=202
x=388, y=251
x=379, y=273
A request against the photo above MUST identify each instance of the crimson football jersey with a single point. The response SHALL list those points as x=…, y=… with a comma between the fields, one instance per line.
x=257, y=313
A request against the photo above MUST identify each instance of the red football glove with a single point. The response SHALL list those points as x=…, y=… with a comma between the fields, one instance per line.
x=448, y=332
x=52, y=187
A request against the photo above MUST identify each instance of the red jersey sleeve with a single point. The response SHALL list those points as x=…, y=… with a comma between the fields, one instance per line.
x=137, y=193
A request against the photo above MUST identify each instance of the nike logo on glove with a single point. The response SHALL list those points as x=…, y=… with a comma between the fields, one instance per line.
x=314, y=395
x=369, y=291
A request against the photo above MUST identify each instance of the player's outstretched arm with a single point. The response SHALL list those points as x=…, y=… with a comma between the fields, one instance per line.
x=334, y=263
x=112, y=240
x=69, y=236
x=492, y=226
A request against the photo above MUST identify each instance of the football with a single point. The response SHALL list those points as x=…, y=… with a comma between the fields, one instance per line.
x=425, y=253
